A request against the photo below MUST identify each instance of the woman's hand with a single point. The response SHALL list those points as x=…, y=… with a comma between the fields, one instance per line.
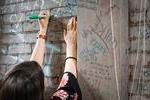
x=43, y=22
x=70, y=35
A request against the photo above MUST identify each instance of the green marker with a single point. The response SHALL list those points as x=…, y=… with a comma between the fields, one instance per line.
x=32, y=17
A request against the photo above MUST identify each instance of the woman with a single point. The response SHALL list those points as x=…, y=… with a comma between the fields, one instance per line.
x=26, y=80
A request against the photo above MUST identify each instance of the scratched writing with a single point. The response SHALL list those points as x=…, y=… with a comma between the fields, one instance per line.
x=147, y=33
x=89, y=1
x=103, y=31
x=144, y=32
x=87, y=55
x=95, y=53
x=97, y=47
x=102, y=72
x=94, y=49
x=100, y=42
x=63, y=12
x=88, y=4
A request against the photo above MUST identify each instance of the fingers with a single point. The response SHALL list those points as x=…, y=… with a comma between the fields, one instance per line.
x=44, y=13
x=65, y=32
x=70, y=34
x=43, y=22
x=72, y=24
x=75, y=24
x=69, y=25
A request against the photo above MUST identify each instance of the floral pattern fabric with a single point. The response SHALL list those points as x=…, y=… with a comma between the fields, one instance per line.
x=68, y=88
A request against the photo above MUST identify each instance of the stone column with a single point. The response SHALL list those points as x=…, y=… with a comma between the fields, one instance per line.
x=103, y=42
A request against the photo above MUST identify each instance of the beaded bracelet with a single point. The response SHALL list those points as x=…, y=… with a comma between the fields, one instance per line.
x=42, y=36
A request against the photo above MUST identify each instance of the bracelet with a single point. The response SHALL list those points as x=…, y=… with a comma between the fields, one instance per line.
x=42, y=36
x=70, y=58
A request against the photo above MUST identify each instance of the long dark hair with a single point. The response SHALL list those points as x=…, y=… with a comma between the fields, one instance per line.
x=24, y=82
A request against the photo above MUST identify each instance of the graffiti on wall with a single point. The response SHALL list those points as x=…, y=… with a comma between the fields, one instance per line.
x=96, y=49
x=99, y=39
x=15, y=16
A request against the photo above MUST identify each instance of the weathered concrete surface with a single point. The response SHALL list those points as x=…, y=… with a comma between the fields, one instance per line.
x=103, y=38
x=139, y=31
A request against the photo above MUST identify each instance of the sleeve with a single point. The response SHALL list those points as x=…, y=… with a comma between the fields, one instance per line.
x=68, y=88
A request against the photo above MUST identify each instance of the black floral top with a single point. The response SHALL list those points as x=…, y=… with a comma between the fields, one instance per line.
x=68, y=89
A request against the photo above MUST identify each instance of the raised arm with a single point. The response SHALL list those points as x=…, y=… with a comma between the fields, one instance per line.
x=70, y=37
x=69, y=88
x=38, y=51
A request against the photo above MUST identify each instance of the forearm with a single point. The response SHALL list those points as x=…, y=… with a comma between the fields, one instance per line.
x=71, y=64
x=38, y=51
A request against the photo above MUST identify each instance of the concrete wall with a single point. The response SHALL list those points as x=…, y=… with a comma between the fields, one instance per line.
x=103, y=38
x=139, y=30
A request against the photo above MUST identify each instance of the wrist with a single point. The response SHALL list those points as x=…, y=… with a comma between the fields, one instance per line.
x=43, y=31
x=71, y=55
x=71, y=45
x=71, y=51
